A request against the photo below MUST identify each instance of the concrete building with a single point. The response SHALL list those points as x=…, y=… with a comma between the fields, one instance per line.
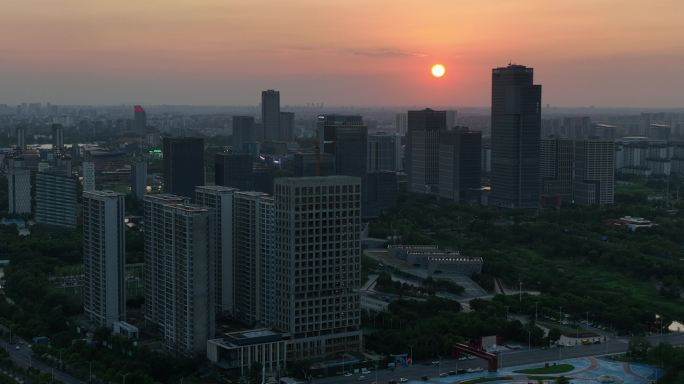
x=345, y=137
x=88, y=168
x=422, y=150
x=516, y=130
x=57, y=137
x=20, y=134
x=19, y=191
x=183, y=165
x=557, y=168
x=384, y=152
x=139, y=179
x=401, y=123
x=182, y=255
x=594, y=172
x=220, y=200
x=56, y=198
x=460, y=165
x=255, y=268
x=318, y=250
x=270, y=115
x=239, y=351
x=243, y=132
x=104, y=257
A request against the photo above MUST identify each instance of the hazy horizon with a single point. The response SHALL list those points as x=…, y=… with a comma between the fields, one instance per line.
x=608, y=54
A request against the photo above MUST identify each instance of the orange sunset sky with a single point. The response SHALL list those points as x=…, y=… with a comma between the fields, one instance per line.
x=372, y=52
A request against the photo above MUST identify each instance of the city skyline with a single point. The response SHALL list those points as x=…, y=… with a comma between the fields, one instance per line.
x=217, y=53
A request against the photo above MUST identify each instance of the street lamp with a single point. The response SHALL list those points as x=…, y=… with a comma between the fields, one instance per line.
x=124, y=377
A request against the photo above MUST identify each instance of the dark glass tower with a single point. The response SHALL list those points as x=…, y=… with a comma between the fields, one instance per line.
x=516, y=131
x=270, y=114
x=346, y=139
x=139, y=119
x=243, y=133
x=183, y=165
x=422, y=150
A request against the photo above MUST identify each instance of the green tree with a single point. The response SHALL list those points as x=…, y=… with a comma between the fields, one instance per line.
x=638, y=347
x=554, y=335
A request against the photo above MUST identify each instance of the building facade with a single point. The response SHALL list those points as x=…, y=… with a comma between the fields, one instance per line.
x=56, y=198
x=384, y=152
x=594, y=172
x=88, y=176
x=139, y=179
x=19, y=191
x=104, y=257
x=235, y=170
x=460, y=165
x=243, y=133
x=183, y=165
x=422, y=150
x=270, y=115
x=345, y=137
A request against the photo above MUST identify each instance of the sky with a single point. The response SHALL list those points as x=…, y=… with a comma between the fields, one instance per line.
x=604, y=53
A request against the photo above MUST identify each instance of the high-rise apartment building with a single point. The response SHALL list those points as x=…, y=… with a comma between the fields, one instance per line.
x=577, y=127
x=286, y=126
x=270, y=114
x=557, y=168
x=220, y=200
x=139, y=119
x=243, y=132
x=139, y=179
x=179, y=246
x=401, y=123
x=234, y=170
x=594, y=172
x=345, y=137
x=317, y=255
x=19, y=191
x=104, y=257
x=21, y=137
x=422, y=150
x=88, y=168
x=384, y=152
x=57, y=137
x=460, y=165
x=254, y=259
x=183, y=165
x=516, y=135
x=56, y=198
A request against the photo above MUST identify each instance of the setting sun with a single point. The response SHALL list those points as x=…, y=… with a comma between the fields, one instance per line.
x=438, y=70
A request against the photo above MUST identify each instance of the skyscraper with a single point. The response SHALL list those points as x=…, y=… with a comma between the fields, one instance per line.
x=401, y=123
x=384, y=152
x=88, y=168
x=56, y=198
x=183, y=165
x=422, y=149
x=557, y=168
x=139, y=179
x=234, y=170
x=345, y=137
x=220, y=200
x=594, y=172
x=19, y=190
x=516, y=130
x=57, y=137
x=104, y=258
x=318, y=250
x=254, y=260
x=313, y=164
x=243, y=133
x=460, y=165
x=270, y=114
x=286, y=126
x=21, y=137
x=180, y=238
x=139, y=119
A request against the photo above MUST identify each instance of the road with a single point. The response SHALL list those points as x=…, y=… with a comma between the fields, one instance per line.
x=507, y=359
x=23, y=357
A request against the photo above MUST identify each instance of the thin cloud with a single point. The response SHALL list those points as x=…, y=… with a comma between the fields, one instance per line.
x=385, y=53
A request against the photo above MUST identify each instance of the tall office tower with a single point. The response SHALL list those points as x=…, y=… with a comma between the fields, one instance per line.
x=460, y=161
x=57, y=137
x=318, y=250
x=139, y=179
x=243, y=133
x=286, y=126
x=451, y=118
x=594, y=172
x=156, y=241
x=270, y=115
x=384, y=152
x=179, y=246
x=380, y=191
x=234, y=170
x=139, y=119
x=220, y=200
x=346, y=138
x=19, y=190
x=313, y=164
x=516, y=130
x=254, y=259
x=21, y=137
x=401, y=123
x=422, y=150
x=88, y=176
x=183, y=165
x=557, y=165
x=577, y=128
x=56, y=198
x=104, y=257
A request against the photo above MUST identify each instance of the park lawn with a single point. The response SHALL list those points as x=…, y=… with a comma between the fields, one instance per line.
x=551, y=369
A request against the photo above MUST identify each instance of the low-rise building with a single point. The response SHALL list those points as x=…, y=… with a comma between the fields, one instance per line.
x=240, y=350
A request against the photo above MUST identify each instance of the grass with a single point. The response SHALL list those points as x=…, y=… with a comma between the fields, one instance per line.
x=486, y=380
x=551, y=369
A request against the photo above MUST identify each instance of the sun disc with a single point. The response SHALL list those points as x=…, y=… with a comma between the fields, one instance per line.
x=438, y=70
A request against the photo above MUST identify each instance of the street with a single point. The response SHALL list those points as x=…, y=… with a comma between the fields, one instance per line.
x=23, y=357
